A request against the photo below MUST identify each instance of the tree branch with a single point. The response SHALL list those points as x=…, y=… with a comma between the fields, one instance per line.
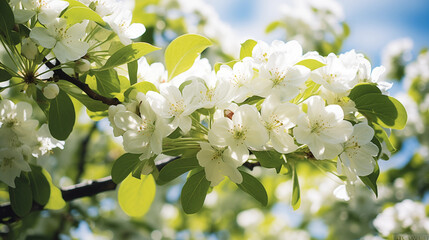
x=59, y=73
x=85, y=189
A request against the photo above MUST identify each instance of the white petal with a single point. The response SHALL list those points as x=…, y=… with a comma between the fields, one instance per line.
x=135, y=142
x=127, y=121
x=185, y=123
x=135, y=30
x=42, y=37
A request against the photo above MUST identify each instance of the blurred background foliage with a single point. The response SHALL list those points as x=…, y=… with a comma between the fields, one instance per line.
x=228, y=213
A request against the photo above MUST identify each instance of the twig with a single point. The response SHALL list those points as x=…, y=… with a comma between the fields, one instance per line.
x=59, y=73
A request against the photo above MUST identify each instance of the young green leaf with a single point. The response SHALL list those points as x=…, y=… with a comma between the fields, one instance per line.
x=4, y=75
x=269, y=159
x=78, y=13
x=133, y=68
x=194, y=192
x=296, y=195
x=61, y=116
x=247, y=48
x=273, y=26
x=383, y=110
x=123, y=166
x=128, y=54
x=371, y=179
x=218, y=64
x=39, y=185
x=91, y=104
x=143, y=87
x=42, y=101
x=254, y=188
x=21, y=198
x=7, y=21
x=56, y=200
x=381, y=135
x=176, y=168
x=362, y=89
x=312, y=64
x=107, y=82
x=135, y=196
x=182, y=52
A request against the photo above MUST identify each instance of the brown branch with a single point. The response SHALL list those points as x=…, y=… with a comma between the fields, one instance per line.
x=85, y=189
x=60, y=74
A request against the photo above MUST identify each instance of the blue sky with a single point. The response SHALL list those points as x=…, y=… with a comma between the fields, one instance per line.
x=373, y=23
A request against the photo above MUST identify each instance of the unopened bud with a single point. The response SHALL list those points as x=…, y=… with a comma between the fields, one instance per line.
x=83, y=66
x=51, y=91
x=29, y=49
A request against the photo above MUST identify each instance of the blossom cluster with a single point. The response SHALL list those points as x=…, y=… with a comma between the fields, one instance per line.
x=21, y=140
x=60, y=30
x=405, y=216
x=312, y=22
x=266, y=102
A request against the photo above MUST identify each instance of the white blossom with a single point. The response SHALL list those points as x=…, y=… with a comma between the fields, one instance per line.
x=278, y=118
x=170, y=103
x=242, y=79
x=120, y=22
x=322, y=128
x=217, y=163
x=244, y=130
x=143, y=132
x=46, y=10
x=280, y=75
x=358, y=151
x=64, y=42
x=339, y=74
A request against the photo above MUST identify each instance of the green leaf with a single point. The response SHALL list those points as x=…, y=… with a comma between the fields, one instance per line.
x=247, y=48
x=61, y=116
x=133, y=68
x=4, y=75
x=182, y=52
x=230, y=64
x=381, y=135
x=128, y=54
x=194, y=192
x=56, y=200
x=254, y=188
x=176, y=168
x=77, y=14
x=296, y=195
x=362, y=89
x=270, y=159
x=7, y=21
x=21, y=198
x=42, y=101
x=135, y=196
x=273, y=26
x=383, y=110
x=143, y=87
x=107, y=82
x=371, y=179
x=91, y=104
x=123, y=166
x=312, y=64
x=40, y=188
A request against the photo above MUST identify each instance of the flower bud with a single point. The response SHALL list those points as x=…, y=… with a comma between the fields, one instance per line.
x=29, y=49
x=51, y=91
x=82, y=66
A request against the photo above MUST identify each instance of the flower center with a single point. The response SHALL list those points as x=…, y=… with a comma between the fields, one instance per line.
x=177, y=108
x=7, y=162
